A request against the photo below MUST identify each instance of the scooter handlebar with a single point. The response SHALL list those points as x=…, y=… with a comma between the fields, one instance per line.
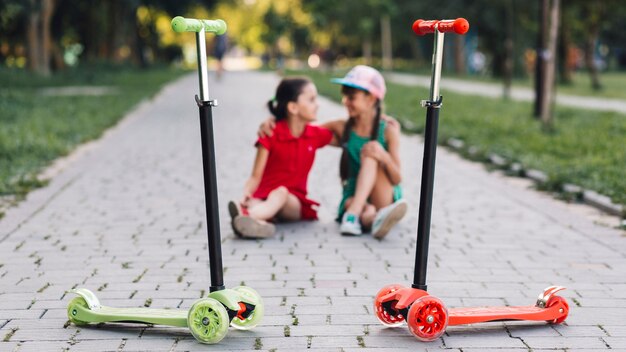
x=459, y=26
x=181, y=24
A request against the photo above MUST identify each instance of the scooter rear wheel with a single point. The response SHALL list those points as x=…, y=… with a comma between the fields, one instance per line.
x=255, y=317
x=71, y=310
x=553, y=301
x=427, y=318
x=208, y=320
x=388, y=316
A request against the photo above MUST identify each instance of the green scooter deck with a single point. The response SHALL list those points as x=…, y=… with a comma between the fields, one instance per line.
x=91, y=311
x=171, y=317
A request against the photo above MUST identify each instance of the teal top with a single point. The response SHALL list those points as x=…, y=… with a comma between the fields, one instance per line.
x=354, y=145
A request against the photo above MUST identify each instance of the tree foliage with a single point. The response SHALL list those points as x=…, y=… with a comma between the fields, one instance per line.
x=135, y=31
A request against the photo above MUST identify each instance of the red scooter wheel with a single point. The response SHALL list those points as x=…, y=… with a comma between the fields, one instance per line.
x=427, y=318
x=386, y=312
x=554, y=300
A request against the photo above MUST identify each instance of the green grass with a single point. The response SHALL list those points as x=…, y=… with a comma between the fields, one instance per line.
x=586, y=148
x=36, y=129
x=613, y=84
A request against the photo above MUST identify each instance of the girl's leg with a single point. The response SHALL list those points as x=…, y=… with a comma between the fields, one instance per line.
x=367, y=217
x=248, y=227
x=382, y=192
x=267, y=209
x=364, y=184
x=373, y=184
x=292, y=210
x=388, y=212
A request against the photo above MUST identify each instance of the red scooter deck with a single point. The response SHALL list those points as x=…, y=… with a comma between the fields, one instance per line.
x=471, y=315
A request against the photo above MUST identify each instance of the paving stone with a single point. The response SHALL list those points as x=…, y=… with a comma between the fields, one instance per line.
x=485, y=338
x=37, y=346
x=615, y=330
x=565, y=342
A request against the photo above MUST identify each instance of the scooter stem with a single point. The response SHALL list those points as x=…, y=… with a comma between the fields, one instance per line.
x=437, y=63
x=205, y=106
x=202, y=66
x=428, y=165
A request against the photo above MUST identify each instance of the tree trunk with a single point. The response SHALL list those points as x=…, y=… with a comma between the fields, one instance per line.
x=47, y=10
x=39, y=36
x=459, y=54
x=567, y=62
x=89, y=31
x=367, y=51
x=385, y=30
x=57, y=60
x=595, y=15
x=508, y=51
x=548, y=88
x=417, y=53
x=137, y=43
x=540, y=57
x=108, y=45
x=590, y=47
x=32, y=36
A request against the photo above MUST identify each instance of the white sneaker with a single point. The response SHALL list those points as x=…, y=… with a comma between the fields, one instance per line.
x=387, y=217
x=350, y=225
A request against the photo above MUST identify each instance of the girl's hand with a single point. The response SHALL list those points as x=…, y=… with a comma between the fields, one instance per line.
x=374, y=150
x=245, y=201
x=266, y=128
x=391, y=122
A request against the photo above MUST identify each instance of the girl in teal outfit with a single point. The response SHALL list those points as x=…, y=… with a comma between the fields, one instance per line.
x=370, y=162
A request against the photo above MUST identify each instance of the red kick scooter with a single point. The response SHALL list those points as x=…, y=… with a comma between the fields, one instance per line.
x=427, y=316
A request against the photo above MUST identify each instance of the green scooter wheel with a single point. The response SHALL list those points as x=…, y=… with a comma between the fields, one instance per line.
x=255, y=317
x=208, y=320
x=72, y=312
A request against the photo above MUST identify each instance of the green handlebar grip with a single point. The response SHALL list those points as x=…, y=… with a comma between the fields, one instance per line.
x=181, y=24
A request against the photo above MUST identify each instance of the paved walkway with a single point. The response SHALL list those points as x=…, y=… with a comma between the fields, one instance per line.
x=517, y=93
x=125, y=219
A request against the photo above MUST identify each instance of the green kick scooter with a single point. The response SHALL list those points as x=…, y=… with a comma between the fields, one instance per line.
x=208, y=318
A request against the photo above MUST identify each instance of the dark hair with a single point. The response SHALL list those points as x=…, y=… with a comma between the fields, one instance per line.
x=289, y=89
x=344, y=171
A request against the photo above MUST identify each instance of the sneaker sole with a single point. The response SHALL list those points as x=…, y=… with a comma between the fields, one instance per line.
x=392, y=219
x=250, y=228
x=351, y=234
x=233, y=211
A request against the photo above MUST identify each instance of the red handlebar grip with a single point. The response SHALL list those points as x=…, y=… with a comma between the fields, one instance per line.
x=459, y=26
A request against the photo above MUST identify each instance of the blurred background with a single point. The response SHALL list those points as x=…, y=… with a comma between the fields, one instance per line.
x=47, y=36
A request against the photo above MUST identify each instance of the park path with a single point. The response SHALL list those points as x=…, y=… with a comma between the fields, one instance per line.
x=494, y=90
x=125, y=218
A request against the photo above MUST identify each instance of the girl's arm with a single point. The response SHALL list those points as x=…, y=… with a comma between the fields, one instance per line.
x=266, y=128
x=388, y=159
x=391, y=163
x=257, y=172
x=336, y=127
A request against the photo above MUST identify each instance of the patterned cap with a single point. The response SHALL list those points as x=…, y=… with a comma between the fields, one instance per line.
x=365, y=78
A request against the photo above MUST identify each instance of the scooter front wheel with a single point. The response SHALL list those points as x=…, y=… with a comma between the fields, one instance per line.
x=72, y=310
x=427, y=318
x=245, y=321
x=554, y=300
x=208, y=320
x=386, y=312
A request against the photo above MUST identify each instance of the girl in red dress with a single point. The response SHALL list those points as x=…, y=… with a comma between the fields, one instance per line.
x=277, y=188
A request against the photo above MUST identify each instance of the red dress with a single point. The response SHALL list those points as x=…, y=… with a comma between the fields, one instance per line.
x=289, y=162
